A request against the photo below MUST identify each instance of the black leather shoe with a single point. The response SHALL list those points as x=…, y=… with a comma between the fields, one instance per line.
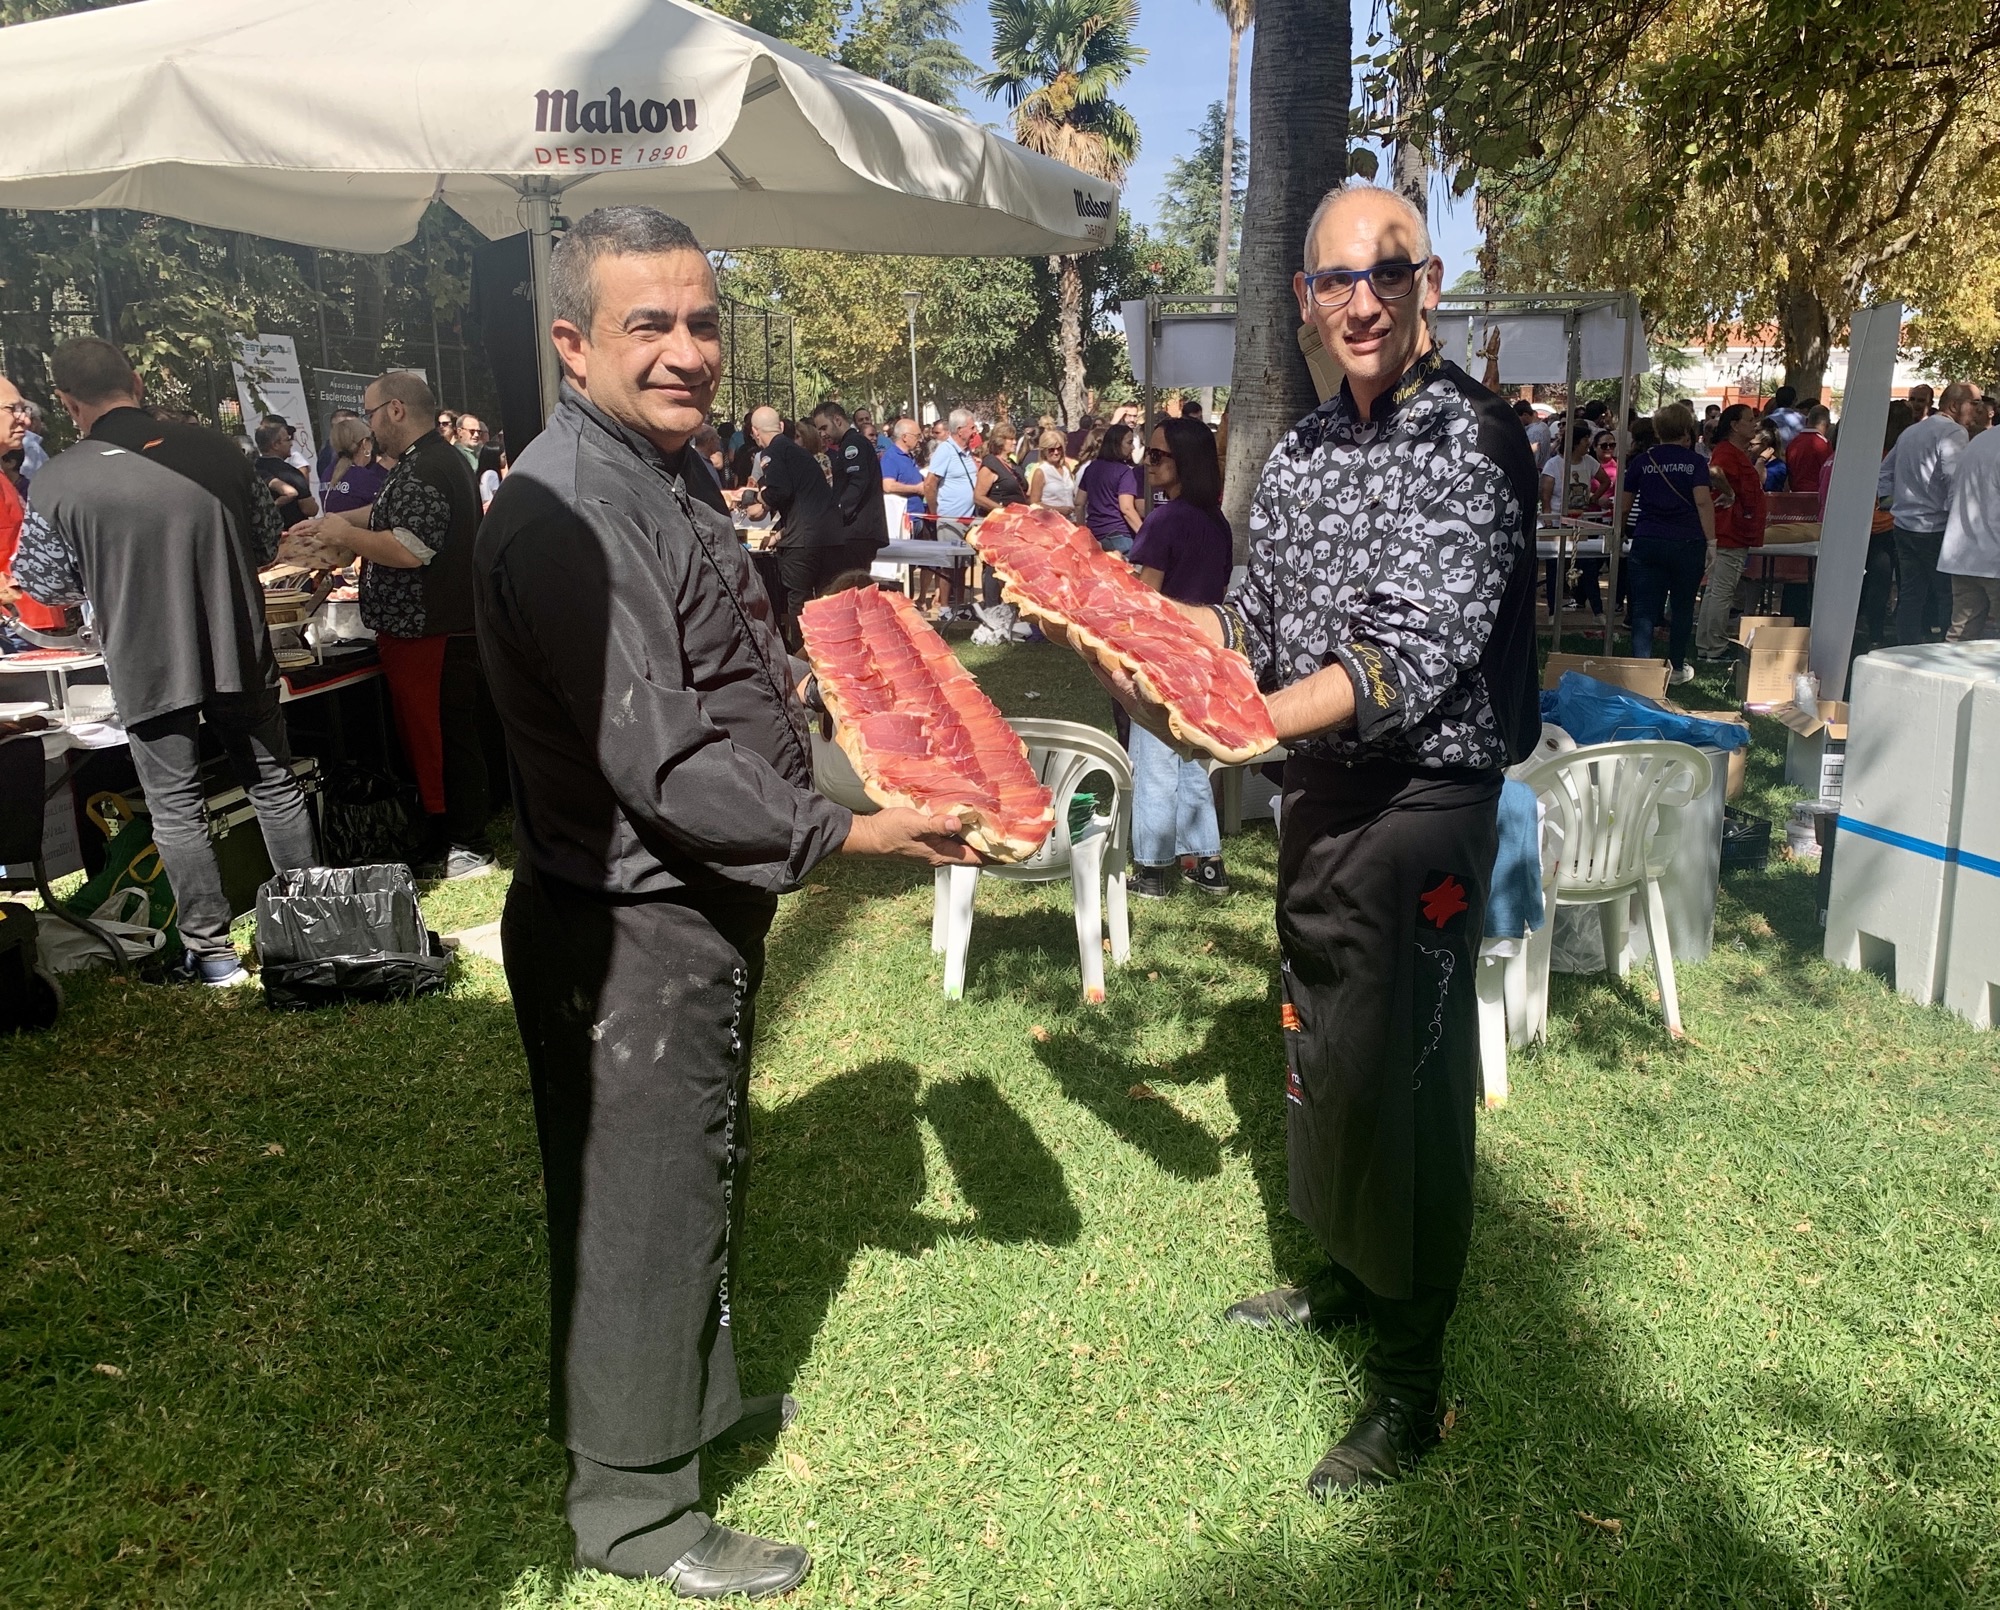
x=1323, y=1303
x=762, y=1419
x=727, y=1562
x=1380, y=1447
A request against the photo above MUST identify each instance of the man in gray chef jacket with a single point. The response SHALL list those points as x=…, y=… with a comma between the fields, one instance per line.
x=663, y=798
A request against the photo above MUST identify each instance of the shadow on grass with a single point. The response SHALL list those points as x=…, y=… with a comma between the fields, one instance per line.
x=1565, y=1482
x=840, y=1170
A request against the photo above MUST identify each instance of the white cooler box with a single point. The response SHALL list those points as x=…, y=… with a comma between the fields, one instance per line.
x=1972, y=944
x=1909, y=804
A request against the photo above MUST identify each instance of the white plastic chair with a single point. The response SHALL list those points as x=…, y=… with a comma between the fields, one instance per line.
x=1063, y=753
x=1617, y=807
x=1514, y=973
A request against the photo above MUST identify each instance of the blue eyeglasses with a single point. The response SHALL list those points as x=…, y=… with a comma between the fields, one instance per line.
x=1390, y=281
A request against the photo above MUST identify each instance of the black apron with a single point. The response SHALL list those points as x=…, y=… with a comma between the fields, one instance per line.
x=1382, y=879
x=636, y=1016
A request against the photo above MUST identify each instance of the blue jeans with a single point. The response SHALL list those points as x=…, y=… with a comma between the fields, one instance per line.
x=1173, y=810
x=1664, y=573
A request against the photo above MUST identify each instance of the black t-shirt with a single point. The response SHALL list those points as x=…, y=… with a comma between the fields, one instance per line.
x=278, y=469
x=796, y=490
x=1008, y=487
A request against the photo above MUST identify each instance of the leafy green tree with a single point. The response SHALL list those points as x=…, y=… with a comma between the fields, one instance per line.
x=1192, y=206
x=911, y=44
x=1808, y=154
x=1057, y=63
x=988, y=329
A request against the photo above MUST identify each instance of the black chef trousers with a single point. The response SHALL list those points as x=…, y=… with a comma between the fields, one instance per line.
x=636, y=1017
x=806, y=571
x=1382, y=881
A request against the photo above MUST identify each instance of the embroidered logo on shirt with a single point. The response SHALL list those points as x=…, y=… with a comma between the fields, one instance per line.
x=1443, y=901
x=1382, y=691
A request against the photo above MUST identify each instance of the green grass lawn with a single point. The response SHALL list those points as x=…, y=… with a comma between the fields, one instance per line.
x=273, y=1325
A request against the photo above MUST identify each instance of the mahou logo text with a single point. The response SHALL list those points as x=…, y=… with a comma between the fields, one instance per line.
x=557, y=111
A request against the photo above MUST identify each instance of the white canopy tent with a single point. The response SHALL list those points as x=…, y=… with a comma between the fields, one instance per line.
x=245, y=114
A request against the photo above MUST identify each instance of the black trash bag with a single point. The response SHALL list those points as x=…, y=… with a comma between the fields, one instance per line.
x=29, y=998
x=367, y=817
x=340, y=934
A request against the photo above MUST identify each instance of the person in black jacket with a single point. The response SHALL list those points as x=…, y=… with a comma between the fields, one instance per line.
x=663, y=799
x=164, y=528
x=787, y=480
x=857, y=486
x=1388, y=613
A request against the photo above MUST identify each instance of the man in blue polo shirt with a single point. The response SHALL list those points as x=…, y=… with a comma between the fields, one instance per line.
x=901, y=474
x=952, y=476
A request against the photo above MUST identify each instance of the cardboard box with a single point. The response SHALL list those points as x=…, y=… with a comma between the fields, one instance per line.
x=1778, y=655
x=1648, y=677
x=1746, y=625
x=1816, y=748
x=1739, y=759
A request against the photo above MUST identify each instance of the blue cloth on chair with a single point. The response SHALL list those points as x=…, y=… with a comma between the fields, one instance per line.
x=1514, y=906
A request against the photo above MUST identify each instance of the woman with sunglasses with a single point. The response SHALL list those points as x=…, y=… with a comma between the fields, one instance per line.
x=1182, y=550
x=1052, y=482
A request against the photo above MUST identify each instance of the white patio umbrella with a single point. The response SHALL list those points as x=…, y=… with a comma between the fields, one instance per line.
x=275, y=117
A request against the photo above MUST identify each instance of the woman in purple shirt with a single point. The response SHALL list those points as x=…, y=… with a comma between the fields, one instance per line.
x=1183, y=550
x=1109, y=487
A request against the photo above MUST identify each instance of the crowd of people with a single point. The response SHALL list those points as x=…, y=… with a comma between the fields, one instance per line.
x=1693, y=499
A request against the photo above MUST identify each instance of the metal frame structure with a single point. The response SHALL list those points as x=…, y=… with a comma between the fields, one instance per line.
x=748, y=381
x=1572, y=305
x=1159, y=310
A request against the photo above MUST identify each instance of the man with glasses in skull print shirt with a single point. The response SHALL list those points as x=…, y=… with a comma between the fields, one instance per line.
x=1388, y=613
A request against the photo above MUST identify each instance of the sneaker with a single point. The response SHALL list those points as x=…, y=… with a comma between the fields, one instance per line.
x=1151, y=882
x=1682, y=676
x=217, y=972
x=460, y=862
x=1205, y=873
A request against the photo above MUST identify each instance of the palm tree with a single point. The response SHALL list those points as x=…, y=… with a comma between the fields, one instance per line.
x=1300, y=82
x=1057, y=62
x=1239, y=14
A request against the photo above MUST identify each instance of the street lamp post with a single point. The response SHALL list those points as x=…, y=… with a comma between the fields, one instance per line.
x=910, y=301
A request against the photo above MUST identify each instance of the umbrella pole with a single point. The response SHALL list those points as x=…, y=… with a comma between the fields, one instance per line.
x=541, y=200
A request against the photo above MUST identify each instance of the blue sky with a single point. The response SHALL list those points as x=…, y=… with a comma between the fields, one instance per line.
x=1187, y=66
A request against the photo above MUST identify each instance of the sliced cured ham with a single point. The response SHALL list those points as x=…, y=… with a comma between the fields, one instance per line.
x=1057, y=573
x=918, y=729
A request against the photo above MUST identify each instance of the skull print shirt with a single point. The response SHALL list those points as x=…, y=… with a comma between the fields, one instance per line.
x=1399, y=547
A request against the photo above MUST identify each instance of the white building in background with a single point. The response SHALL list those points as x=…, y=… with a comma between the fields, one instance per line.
x=1751, y=367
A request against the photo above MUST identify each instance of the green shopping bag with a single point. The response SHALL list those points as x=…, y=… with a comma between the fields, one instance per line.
x=131, y=861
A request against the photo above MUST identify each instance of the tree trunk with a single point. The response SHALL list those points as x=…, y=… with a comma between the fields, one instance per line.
x=1300, y=85
x=1228, y=166
x=1805, y=325
x=1069, y=309
x=1410, y=172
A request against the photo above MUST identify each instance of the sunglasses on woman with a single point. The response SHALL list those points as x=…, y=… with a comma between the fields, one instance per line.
x=1158, y=455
